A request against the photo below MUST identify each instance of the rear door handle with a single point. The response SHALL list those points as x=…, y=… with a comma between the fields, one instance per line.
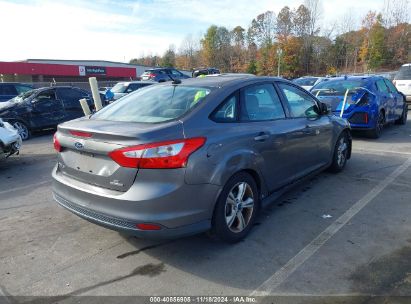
x=262, y=136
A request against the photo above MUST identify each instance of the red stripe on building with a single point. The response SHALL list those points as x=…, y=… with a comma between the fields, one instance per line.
x=25, y=68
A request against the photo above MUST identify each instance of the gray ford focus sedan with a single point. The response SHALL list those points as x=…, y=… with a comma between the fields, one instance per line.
x=205, y=154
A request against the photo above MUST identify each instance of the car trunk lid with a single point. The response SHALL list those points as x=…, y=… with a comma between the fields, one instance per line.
x=86, y=145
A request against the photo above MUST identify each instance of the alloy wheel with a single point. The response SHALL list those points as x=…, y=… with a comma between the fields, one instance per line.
x=22, y=129
x=342, y=151
x=239, y=207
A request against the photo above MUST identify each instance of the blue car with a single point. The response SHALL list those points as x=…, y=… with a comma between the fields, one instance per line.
x=9, y=90
x=368, y=103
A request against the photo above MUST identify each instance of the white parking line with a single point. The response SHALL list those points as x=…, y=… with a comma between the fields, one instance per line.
x=25, y=187
x=379, y=152
x=282, y=274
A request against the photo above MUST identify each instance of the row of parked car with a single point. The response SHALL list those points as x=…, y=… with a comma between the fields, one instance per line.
x=367, y=102
x=234, y=142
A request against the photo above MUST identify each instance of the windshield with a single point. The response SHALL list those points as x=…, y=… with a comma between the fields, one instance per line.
x=404, y=73
x=337, y=87
x=23, y=96
x=305, y=81
x=154, y=104
x=119, y=88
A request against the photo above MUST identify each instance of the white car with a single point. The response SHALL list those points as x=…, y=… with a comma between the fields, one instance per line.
x=402, y=81
x=125, y=87
x=10, y=140
x=307, y=82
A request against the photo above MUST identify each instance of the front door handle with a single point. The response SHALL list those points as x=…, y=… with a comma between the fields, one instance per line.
x=262, y=136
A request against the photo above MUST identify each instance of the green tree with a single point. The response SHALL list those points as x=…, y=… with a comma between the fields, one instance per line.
x=377, y=50
x=169, y=57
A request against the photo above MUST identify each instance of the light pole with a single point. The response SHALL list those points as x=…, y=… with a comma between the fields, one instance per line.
x=279, y=53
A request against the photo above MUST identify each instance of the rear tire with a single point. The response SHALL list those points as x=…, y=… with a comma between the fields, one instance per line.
x=403, y=119
x=23, y=130
x=379, y=125
x=236, y=208
x=340, y=155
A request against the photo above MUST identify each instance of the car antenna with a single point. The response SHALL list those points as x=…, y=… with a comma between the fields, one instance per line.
x=175, y=81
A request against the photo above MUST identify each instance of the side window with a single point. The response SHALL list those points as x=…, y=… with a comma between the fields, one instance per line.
x=227, y=111
x=22, y=89
x=132, y=87
x=381, y=86
x=392, y=88
x=175, y=72
x=47, y=95
x=261, y=102
x=301, y=104
x=70, y=97
x=8, y=89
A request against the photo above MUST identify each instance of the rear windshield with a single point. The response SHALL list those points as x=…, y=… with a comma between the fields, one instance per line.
x=305, y=81
x=154, y=104
x=404, y=73
x=338, y=87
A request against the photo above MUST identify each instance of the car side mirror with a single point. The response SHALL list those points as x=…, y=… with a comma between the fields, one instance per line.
x=324, y=108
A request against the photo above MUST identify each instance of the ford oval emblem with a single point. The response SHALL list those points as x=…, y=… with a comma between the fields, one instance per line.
x=78, y=145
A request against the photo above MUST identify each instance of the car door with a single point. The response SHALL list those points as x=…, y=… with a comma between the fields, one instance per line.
x=310, y=140
x=386, y=99
x=70, y=98
x=47, y=109
x=263, y=117
x=398, y=99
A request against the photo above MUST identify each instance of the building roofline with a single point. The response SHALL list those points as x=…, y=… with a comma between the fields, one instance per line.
x=81, y=60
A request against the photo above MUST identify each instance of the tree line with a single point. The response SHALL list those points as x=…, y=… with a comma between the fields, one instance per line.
x=292, y=44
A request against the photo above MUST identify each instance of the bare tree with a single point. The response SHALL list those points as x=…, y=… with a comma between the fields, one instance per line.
x=315, y=8
x=188, y=49
x=263, y=28
x=396, y=12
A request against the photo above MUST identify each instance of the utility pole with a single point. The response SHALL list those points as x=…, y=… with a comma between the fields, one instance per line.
x=279, y=53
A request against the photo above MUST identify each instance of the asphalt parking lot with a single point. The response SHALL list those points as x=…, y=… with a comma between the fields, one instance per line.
x=363, y=249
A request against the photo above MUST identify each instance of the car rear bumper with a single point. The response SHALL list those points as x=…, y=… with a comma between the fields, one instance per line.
x=360, y=119
x=179, y=211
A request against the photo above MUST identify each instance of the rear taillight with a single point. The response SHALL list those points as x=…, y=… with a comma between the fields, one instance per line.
x=56, y=143
x=80, y=134
x=161, y=155
x=151, y=75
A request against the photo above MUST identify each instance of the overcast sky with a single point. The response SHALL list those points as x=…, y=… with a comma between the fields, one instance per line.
x=121, y=30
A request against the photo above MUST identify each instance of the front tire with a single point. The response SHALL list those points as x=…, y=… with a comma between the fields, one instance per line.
x=236, y=208
x=340, y=155
x=23, y=130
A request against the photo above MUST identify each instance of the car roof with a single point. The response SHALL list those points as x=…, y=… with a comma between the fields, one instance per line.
x=227, y=80
x=156, y=69
x=137, y=81
x=60, y=87
x=368, y=77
